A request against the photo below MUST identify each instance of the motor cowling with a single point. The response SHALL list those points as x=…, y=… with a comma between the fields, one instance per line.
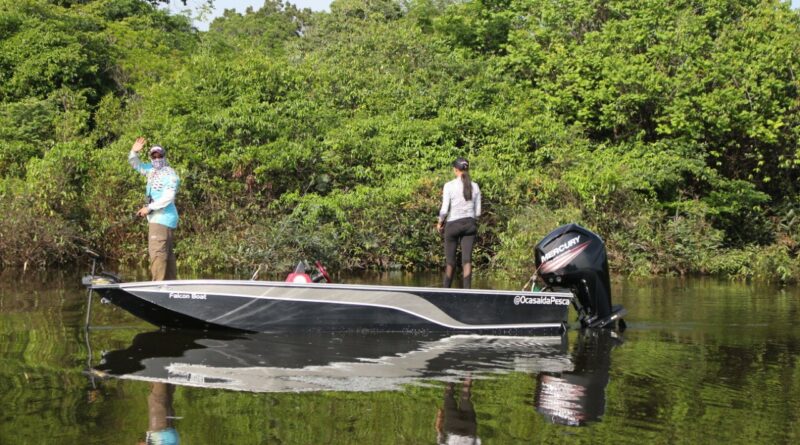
x=574, y=258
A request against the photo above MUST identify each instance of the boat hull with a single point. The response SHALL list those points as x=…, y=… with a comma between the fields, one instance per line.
x=259, y=306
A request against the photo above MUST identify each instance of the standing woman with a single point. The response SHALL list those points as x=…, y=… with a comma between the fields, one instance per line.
x=461, y=207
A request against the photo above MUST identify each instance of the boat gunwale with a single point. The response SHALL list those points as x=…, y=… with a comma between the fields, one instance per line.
x=338, y=286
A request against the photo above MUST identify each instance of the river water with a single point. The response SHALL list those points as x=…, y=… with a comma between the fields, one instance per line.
x=702, y=361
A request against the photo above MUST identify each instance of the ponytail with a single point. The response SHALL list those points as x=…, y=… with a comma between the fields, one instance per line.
x=462, y=165
x=467, y=182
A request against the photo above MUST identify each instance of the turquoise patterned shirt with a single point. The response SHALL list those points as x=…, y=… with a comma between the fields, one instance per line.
x=162, y=186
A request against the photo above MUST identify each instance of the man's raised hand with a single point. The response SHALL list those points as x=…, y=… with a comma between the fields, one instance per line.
x=139, y=144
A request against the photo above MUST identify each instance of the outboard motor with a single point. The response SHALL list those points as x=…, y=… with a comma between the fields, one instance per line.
x=574, y=258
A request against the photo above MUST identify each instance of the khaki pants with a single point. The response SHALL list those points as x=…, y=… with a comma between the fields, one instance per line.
x=162, y=257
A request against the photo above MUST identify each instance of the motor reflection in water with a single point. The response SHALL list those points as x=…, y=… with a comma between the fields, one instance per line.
x=578, y=396
x=570, y=386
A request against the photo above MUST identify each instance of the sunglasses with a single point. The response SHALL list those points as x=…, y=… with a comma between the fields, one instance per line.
x=156, y=155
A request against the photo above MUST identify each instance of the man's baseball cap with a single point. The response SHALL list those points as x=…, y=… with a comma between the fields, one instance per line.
x=157, y=149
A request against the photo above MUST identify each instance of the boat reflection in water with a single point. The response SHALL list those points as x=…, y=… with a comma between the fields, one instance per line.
x=570, y=385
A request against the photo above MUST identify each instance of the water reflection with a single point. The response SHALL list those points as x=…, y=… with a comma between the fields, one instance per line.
x=160, y=428
x=708, y=361
x=578, y=397
x=456, y=422
x=570, y=385
x=314, y=362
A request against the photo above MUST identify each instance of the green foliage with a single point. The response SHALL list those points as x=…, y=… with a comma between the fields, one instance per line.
x=30, y=235
x=26, y=128
x=738, y=208
x=669, y=127
x=524, y=230
x=366, y=10
x=265, y=29
x=480, y=25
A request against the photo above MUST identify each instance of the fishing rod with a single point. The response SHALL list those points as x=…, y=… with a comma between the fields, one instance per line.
x=85, y=244
x=89, y=281
x=98, y=258
x=533, y=278
x=280, y=231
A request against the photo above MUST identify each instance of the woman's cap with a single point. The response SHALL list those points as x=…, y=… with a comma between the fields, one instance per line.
x=157, y=149
x=461, y=164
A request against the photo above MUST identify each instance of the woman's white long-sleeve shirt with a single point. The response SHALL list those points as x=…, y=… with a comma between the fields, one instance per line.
x=454, y=206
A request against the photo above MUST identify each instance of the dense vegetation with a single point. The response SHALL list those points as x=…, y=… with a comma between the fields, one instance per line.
x=670, y=127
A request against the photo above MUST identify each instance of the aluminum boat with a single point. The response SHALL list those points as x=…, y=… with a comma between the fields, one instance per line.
x=571, y=263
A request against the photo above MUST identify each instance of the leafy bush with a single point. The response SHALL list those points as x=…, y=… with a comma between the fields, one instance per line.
x=524, y=231
x=31, y=236
x=670, y=131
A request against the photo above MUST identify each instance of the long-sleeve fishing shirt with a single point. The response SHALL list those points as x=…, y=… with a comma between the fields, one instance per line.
x=162, y=186
x=454, y=206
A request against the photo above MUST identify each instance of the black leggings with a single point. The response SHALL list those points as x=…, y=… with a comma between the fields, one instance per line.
x=461, y=231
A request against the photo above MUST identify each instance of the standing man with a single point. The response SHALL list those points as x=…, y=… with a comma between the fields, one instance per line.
x=161, y=213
